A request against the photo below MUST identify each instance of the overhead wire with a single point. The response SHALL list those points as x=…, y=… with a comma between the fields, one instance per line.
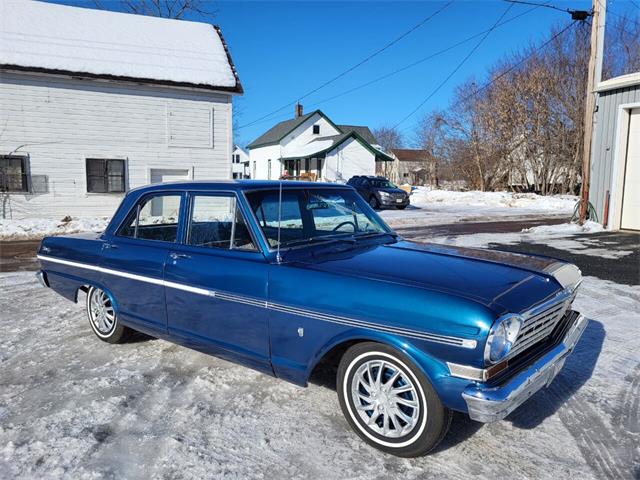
x=355, y=66
x=455, y=70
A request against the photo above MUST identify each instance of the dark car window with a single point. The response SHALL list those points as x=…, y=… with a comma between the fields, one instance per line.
x=382, y=183
x=216, y=222
x=314, y=214
x=153, y=218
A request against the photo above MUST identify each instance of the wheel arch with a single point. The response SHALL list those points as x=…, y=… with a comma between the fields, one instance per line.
x=331, y=353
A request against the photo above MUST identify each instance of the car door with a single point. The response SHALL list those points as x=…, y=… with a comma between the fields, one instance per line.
x=133, y=260
x=216, y=283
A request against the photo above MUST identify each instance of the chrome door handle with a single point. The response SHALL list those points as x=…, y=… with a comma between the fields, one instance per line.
x=175, y=256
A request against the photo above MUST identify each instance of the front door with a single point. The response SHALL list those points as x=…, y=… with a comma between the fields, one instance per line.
x=216, y=284
x=133, y=261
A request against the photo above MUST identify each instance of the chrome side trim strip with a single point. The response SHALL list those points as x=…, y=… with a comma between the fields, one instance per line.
x=444, y=339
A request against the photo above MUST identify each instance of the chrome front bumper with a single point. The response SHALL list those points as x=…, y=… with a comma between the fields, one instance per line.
x=489, y=404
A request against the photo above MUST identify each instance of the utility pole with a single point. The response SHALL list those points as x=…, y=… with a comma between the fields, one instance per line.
x=594, y=76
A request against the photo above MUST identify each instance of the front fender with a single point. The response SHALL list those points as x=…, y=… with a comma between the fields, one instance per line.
x=448, y=388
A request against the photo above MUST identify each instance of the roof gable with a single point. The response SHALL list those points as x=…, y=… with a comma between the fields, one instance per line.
x=338, y=140
x=279, y=131
x=46, y=37
x=361, y=130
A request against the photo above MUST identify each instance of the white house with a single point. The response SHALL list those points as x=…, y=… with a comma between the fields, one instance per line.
x=312, y=146
x=240, y=163
x=93, y=103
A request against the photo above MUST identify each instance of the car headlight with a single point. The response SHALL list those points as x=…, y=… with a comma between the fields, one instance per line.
x=384, y=194
x=502, y=336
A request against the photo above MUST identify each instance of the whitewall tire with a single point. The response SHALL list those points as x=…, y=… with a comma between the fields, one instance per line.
x=103, y=319
x=389, y=402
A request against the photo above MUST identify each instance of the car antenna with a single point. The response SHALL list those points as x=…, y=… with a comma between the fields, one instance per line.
x=278, y=257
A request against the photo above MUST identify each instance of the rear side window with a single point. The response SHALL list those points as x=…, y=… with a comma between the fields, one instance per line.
x=153, y=218
x=216, y=222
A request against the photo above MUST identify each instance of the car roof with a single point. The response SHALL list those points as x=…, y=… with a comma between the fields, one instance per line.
x=233, y=185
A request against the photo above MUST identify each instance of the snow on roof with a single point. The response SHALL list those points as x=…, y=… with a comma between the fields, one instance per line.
x=622, y=81
x=44, y=36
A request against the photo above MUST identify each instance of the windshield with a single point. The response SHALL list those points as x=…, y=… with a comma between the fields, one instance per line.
x=310, y=215
x=382, y=183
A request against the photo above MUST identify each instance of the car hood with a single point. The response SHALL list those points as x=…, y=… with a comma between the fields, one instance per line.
x=502, y=281
x=390, y=190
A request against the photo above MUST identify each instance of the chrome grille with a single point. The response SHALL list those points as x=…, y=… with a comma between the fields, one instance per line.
x=539, y=326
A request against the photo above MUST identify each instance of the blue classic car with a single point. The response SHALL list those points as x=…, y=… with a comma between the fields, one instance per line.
x=285, y=277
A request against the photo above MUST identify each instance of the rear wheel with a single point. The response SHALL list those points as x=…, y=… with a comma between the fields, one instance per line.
x=388, y=402
x=103, y=319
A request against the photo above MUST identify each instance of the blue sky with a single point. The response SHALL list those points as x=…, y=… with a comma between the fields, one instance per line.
x=282, y=50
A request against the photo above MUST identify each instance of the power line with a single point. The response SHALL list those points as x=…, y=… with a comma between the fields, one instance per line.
x=546, y=5
x=406, y=67
x=575, y=14
x=455, y=70
x=514, y=66
x=362, y=62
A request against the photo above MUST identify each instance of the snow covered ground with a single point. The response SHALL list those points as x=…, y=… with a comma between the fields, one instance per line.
x=41, y=227
x=433, y=207
x=428, y=207
x=74, y=407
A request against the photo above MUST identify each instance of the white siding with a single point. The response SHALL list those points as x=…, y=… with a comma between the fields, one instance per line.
x=303, y=133
x=59, y=122
x=347, y=160
x=260, y=157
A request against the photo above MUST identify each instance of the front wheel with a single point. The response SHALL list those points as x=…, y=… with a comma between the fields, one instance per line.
x=401, y=207
x=388, y=402
x=373, y=202
x=103, y=319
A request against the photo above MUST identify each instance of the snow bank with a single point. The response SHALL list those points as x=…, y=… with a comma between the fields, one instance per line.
x=41, y=227
x=424, y=196
x=566, y=228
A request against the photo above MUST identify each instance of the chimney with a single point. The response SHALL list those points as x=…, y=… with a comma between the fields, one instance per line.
x=298, y=110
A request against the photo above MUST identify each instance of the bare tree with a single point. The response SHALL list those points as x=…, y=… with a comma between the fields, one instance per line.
x=388, y=138
x=177, y=9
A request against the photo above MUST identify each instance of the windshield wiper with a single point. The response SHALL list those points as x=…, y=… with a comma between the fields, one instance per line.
x=375, y=234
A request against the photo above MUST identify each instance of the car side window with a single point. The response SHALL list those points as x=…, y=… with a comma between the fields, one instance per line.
x=269, y=213
x=153, y=218
x=216, y=222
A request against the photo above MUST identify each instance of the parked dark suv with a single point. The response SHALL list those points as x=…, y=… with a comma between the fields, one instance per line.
x=379, y=192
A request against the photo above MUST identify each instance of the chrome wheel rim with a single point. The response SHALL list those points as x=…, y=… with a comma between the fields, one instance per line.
x=385, y=398
x=103, y=316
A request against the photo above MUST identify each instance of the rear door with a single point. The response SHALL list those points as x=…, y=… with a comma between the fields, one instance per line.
x=133, y=260
x=216, y=283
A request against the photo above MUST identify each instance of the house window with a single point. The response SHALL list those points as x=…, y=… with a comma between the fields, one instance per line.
x=13, y=174
x=236, y=158
x=316, y=129
x=105, y=175
x=306, y=165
